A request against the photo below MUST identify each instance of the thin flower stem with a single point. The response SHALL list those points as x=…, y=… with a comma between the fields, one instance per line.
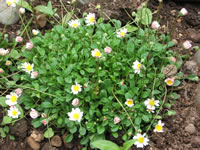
x=124, y=109
x=10, y=75
x=164, y=99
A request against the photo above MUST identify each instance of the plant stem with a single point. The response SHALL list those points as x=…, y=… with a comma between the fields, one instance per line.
x=124, y=109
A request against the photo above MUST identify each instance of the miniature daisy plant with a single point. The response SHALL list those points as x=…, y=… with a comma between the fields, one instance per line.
x=91, y=77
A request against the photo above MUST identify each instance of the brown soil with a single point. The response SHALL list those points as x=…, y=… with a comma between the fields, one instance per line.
x=181, y=131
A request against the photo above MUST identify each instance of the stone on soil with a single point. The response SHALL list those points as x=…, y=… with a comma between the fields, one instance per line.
x=190, y=128
x=34, y=145
x=196, y=57
x=8, y=15
x=56, y=141
x=191, y=67
x=37, y=136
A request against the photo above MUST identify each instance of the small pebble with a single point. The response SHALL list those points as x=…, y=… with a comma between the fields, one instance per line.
x=190, y=128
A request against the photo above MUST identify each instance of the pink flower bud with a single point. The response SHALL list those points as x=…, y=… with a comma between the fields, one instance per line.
x=107, y=49
x=18, y=91
x=183, y=12
x=19, y=39
x=43, y=115
x=44, y=122
x=155, y=25
x=75, y=102
x=116, y=120
x=1, y=70
x=29, y=45
x=34, y=74
x=33, y=113
x=187, y=45
x=173, y=59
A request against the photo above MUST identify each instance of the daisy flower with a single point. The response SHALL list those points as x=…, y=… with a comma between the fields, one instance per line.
x=74, y=23
x=29, y=45
x=155, y=25
x=12, y=99
x=3, y=52
x=141, y=140
x=129, y=102
x=96, y=53
x=137, y=66
x=34, y=74
x=122, y=33
x=22, y=11
x=187, y=45
x=75, y=115
x=35, y=32
x=90, y=19
x=76, y=88
x=27, y=67
x=169, y=81
x=13, y=112
x=151, y=103
x=19, y=39
x=159, y=127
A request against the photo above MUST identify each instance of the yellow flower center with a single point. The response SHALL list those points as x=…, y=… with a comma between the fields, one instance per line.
x=14, y=112
x=138, y=66
x=9, y=3
x=76, y=116
x=152, y=102
x=98, y=54
x=158, y=127
x=169, y=82
x=76, y=88
x=29, y=68
x=13, y=99
x=122, y=34
x=15, y=1
x=140, y=139
x=130, y=102
x=92, y=19
x=75, y=25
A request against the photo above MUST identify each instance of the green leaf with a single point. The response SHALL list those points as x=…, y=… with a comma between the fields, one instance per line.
x=3, y=102
x=84, y=140
x=49, y=133
x=192, y=77
x=145, y=118
x=24, y=4
x=138, y=121
x=47, y=105
x=45, y=9
x=100, y=129
x=155, y=92
x=127, y=145
x=177, y=83
x=105, y=145
x=82, y=131
x=174, y=96
x=131, y=28
x=6, y=120
x=68, y=138
x=171, y=113
x=12, y=138
x=14, y=54
x=145, y=16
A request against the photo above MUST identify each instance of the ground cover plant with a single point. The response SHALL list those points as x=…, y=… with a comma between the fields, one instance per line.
x=90, y=78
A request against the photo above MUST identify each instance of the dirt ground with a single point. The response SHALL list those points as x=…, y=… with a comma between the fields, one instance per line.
x=182, y=131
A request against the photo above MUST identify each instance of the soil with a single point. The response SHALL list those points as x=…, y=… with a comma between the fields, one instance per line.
x=181, y=131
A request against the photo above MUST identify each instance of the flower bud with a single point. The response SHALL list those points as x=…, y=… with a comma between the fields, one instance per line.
x=44, y=122
x=18, y=91
x=155, y=25
x=187, y=45
x=75, y=102
x=34, y=74
x=116, y=120
x=33, y=113
x=22, y=10
x=43, y=115
x=1, y=70
x=19, y=39
x=35, y=32
x=29, y=45
x=183, y=12
x=107, y=49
